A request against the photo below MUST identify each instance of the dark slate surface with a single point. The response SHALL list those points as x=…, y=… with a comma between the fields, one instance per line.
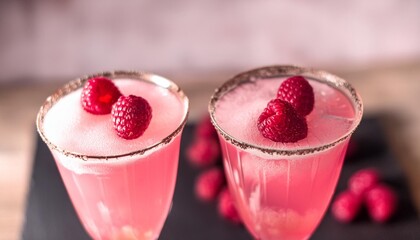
x=50, y=215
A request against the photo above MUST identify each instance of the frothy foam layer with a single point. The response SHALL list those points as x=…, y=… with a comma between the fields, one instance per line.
x=237, y=113
x=71, y=128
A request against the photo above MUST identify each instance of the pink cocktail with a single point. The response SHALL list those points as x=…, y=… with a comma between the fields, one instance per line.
x=282, y=190
x=121, y=189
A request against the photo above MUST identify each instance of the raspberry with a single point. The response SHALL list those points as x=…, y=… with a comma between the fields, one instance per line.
x=203, y=152
x=209, y=183
x=363, y=180
x=381, y=203
x=205, y=128
x=226, y=207
x=346, y=206
x=98, y=95
x=280, y=122
x=297, y=91
x=131, y=116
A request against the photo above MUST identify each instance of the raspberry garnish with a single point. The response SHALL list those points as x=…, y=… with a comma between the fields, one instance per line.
x=131, y=116
x=297, y=91
x=363, y=180
x=209, y=183
x=381, y=203
x=98, y=95
x=281, y=123
x=203, y=152
x=346, y=206
x=226, y=207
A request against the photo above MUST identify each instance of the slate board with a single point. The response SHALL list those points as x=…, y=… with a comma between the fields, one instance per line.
x=50, y=215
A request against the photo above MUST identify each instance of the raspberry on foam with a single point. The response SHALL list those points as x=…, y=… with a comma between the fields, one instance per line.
x=98, y=95
x=363, y=180
x=131, y=116
x=226, y=207
x=381, y=203
x=297, y=91
x=203, y=152
x=209, y=183
x=346, y=206
x=281, y=123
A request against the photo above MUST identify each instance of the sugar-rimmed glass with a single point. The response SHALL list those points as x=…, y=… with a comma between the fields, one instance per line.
x=124, y=195
x=282, y=192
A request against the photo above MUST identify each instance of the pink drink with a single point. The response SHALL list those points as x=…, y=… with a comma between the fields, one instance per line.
x=283, y=190
x=121, y=189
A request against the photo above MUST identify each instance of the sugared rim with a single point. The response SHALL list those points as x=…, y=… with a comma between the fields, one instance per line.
x=79, y=82
x=285, y=71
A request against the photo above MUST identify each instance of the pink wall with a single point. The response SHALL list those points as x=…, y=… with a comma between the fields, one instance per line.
x=45, y=38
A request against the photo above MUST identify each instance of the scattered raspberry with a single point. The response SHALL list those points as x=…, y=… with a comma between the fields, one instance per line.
x=226, y=207
x=363, y=180
x=280, y=122
x=346, y=206
x=209, y=183
x=98, y=95
x=381, y=202
x=205, y=128
x=131, y=116
x=297, y=91
x=203, y=152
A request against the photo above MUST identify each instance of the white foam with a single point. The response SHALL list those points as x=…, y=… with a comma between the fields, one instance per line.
x=237, y=113
x=71, y=128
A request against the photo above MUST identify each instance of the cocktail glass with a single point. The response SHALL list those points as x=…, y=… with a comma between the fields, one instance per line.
x=282, y=192
x=121, y=196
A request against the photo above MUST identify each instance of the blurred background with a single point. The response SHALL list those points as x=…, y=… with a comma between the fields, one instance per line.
x=45, y=39
x=199, y=44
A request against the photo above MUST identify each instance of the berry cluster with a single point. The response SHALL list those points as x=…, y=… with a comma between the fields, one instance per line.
x=283, y=120
x=131, y=114
x=365, y=187
x=205, y=154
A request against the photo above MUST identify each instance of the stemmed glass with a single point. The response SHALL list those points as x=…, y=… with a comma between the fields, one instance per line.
x=282, y=191
x=124, y=195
